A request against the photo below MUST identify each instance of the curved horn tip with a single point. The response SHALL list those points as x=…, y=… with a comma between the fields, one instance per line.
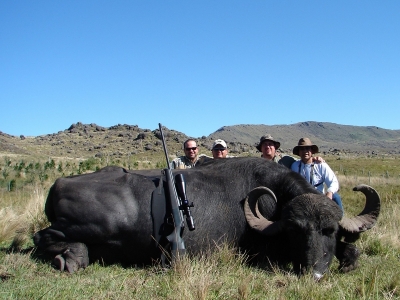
x=368, y=217
x=362, y=187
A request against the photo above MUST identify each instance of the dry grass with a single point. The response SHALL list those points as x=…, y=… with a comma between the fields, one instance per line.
x=18, y=223
x=223, y=274
x=9, y=224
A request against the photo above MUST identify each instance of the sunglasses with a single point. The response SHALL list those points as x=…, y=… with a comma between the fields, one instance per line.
x=305, y=148
x=193, y=148
x=219, y=149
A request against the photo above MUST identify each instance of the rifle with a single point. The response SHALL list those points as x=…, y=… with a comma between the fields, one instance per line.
x=175, y=238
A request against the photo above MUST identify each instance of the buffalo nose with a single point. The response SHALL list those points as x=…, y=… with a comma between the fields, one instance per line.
x=318, y=276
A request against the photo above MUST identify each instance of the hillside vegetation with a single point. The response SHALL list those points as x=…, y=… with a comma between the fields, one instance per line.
x=91, y=140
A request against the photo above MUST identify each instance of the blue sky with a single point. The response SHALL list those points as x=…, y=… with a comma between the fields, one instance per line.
x=196, y=66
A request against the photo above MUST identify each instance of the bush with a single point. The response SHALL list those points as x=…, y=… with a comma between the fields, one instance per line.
x=87, y=165
x=12, y=185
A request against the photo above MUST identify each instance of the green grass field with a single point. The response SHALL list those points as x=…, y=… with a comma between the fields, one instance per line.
x=221, y=275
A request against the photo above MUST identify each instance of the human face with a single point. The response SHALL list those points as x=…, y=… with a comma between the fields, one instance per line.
x=305, y=154
x=268, y=150
x=191, y=150
x=219, y=152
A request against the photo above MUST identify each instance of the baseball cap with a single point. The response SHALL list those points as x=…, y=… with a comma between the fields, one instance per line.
x=219, y=142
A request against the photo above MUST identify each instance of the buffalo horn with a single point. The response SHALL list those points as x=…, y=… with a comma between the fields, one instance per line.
x=367, y=218
x=253, y=215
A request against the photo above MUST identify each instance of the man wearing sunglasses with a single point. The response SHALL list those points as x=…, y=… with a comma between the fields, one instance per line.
x=190, y=158
x=219, y=149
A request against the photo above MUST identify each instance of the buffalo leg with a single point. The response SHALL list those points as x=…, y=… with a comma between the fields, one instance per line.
x=68, y=256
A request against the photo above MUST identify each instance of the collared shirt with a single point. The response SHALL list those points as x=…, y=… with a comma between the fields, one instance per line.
x=182, y=162
x=318, y=175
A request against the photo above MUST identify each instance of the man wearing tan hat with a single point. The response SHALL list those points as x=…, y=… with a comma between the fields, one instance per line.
x=268, y=146
x=316, y=174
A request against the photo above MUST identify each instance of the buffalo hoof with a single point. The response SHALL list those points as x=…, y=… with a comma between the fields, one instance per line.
x=76, y=257
x=59, y=262
x=71, y=262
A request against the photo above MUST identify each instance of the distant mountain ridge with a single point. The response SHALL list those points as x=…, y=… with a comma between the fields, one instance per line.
x=326, y=135
x=92, y=140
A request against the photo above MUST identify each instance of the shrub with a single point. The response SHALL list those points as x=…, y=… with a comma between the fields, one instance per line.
x=12, y=185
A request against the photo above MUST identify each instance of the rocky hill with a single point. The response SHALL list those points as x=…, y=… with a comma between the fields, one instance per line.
x=91, y=140
x=329, y=137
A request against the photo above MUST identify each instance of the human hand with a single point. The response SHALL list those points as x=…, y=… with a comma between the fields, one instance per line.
x=318, y=159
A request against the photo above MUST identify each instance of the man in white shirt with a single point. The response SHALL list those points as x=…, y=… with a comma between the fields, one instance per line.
x=316, y=174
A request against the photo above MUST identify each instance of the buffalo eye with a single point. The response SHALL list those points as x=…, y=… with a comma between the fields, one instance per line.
x=328, y=231
x=295, y=229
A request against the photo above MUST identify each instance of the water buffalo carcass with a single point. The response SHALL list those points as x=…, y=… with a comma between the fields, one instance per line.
x=258, y=206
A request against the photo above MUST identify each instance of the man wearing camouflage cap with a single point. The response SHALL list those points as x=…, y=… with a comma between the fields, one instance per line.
x=268, y=146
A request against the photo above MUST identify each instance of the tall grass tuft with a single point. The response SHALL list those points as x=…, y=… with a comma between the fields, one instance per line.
x=9, y=224
x=19, y=223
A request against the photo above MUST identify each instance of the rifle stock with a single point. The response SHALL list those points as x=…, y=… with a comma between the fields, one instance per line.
x=175, y=238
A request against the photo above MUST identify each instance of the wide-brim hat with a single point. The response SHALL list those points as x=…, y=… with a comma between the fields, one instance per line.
x=267, y=137
x=305, y=142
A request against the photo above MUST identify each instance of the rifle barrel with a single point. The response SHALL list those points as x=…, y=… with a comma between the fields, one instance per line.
x=164, y=145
